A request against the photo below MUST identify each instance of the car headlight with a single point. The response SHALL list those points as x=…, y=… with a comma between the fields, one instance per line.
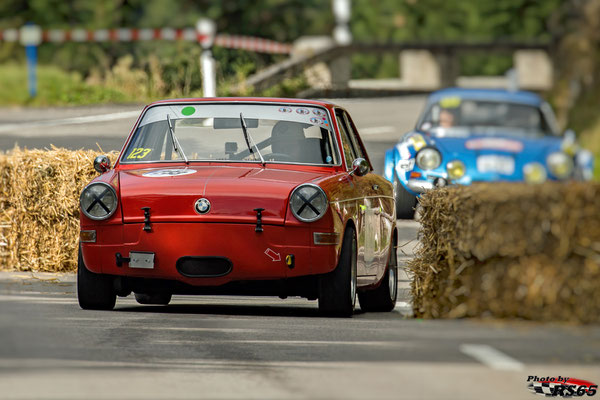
x=560, y=164
x=456, y=169
x=534, y=172
x=98, y=201
x=429, y=158
x=308, y=202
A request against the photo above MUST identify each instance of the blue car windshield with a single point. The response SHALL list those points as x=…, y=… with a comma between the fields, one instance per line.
x=460, y=117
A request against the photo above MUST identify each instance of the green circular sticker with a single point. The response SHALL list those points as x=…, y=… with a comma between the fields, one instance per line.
x=187, y=111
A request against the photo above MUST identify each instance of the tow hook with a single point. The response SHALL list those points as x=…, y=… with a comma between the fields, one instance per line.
x=259, y=227
x=121, y=259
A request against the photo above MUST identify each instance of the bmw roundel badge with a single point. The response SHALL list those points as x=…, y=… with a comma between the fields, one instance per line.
x=202, y=206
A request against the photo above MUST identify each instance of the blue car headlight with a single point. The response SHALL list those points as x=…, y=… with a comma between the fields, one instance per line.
x=560, y=165
x=428, y=158
x=456, y=169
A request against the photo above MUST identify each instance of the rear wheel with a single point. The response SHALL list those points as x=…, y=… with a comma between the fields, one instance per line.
x=94, y=291
x=405, y=201
x=337, y=289
x=155, y=298
x=383, y=298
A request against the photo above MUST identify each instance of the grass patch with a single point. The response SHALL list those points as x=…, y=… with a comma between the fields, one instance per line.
x=55, y=87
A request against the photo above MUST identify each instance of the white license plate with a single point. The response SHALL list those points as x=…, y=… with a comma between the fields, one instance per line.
x=141, y=260
x=497, y=164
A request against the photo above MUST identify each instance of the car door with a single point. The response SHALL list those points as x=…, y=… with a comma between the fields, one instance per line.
x=366, y=221
x=374, y=230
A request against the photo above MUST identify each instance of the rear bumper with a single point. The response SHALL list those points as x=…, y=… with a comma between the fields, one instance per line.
x=255, y=256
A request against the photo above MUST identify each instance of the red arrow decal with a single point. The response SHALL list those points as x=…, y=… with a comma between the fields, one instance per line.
x=272, y=255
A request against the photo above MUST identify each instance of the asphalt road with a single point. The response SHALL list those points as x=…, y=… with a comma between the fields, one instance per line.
x=262, y=348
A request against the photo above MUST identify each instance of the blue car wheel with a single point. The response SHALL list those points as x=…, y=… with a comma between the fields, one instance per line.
x=405, y=201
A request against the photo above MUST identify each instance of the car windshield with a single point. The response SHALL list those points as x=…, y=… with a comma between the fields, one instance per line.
x=213, y=132
x=460, y=117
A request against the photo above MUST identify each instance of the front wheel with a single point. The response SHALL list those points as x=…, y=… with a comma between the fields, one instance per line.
x=383, y=298
x=94, y=291
x=337, y=289
x=405, y=201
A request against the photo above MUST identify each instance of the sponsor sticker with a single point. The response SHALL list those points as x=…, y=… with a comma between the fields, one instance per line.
x=512, y=146
x=163, y=173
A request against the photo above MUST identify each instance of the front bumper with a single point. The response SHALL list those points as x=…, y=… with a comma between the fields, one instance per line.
x=255, y=256
x=419, y=185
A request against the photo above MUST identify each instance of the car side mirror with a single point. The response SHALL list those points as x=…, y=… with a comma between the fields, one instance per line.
x=360, y=167
x=102, y=163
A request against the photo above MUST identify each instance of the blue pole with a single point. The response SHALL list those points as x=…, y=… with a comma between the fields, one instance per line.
x=31, y=53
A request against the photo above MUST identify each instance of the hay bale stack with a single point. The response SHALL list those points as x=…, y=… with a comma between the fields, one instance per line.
x=510, y=250
x=39, y=207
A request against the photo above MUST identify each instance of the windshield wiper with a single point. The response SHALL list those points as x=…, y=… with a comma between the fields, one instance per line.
x=249, y=139
x=176, y=144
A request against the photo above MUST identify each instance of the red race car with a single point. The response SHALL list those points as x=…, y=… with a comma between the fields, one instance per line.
x=247, y=196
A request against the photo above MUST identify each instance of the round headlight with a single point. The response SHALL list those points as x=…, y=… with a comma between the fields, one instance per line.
x=98, y=201
x=428, y=158
x=308, y=202
x=534, y=172
x=560, y=165
x=456, y=169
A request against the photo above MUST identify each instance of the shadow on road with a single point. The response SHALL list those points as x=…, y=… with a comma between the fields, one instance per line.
x=236, y=310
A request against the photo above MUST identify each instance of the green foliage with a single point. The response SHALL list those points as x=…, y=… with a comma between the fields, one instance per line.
x=55, y=87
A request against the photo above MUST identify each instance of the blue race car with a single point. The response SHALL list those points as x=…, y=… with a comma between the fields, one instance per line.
x=476, y=135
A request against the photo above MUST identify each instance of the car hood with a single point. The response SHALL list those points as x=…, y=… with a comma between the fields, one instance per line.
x=233, y=192
x=521, y=149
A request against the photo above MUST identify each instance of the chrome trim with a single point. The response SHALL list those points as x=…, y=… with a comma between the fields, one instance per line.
x=109, y=214
x=361, y=198
x=337, y=146
x=294, y=212
x=419, y=186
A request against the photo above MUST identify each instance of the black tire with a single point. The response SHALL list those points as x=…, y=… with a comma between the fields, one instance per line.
x=405, y=201
x=337, y=289
x=383, y=298
x=94, y=291
x=155, y=298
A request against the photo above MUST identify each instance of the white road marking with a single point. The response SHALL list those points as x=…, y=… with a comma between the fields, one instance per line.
x=403, y=304
x=377, y=130
x=193, y=329
x=70, y=121
x=284, y=342
x=36, y=299
x=491, y=357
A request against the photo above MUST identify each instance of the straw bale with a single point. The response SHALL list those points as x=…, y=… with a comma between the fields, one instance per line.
x=39, y=207
x=509, y=250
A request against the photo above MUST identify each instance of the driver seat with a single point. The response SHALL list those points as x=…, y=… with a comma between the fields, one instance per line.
x=288, y=138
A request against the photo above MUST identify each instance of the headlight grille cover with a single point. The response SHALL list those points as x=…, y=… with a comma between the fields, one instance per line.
x=98, y=201
x=308, y=202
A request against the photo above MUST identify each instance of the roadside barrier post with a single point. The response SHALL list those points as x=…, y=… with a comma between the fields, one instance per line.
x=30, y=36
x=341, y=67
x=206, y=29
